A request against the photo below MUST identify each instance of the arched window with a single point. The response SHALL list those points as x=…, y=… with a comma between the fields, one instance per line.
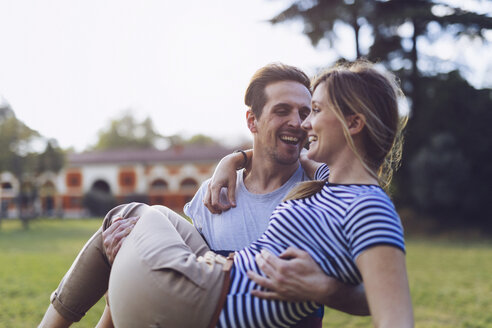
x=159, y=185
x=189, y=184
x=101, y=185
x=7, y=186
x=49, y=187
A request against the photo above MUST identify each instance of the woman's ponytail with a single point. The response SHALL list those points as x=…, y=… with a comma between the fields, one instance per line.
x=305, y=189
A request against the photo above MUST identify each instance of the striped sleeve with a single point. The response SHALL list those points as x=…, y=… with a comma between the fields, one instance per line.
x=372, y=220
x=322, y=172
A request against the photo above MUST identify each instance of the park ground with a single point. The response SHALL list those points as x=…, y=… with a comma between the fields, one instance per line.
x=450, y=277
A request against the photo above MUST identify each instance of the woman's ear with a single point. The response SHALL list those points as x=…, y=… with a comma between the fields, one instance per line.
x=251, y=121
x=356, y=123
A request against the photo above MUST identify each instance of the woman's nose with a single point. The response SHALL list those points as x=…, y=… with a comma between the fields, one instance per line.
x=306, y=124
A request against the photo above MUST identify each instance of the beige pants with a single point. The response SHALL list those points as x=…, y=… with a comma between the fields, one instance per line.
x=158, y=279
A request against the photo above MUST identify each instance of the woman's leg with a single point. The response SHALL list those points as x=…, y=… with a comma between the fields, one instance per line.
x=87, y=279
x=81, y=287
x=160, y=281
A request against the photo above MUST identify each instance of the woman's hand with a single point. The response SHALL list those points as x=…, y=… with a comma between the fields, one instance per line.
x=225, y=176
x=115, y=234
x=385, y=277
x=295, y=276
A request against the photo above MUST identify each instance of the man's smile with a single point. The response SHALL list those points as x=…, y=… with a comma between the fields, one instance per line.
x=290, y=139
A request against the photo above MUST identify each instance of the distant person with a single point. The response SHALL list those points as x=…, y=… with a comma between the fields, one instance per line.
x=278, y=98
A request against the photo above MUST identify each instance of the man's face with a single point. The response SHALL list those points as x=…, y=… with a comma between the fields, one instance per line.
x=278, y=133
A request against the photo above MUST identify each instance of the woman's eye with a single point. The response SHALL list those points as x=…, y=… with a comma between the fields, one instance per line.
x=315, y=110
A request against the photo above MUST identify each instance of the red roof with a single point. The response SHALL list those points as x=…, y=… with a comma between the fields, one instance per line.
x=191, y=153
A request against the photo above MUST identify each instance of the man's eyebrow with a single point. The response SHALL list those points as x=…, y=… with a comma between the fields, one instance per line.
x=282, y=105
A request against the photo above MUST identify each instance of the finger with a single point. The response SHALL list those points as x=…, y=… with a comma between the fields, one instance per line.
x=266, y=267
x=117, y=248
x=207, y=198
x=260, y=280
x=118, y=222
x=209, y=206
x=211, y=209
x=216, y=203
x=292, y=252
x=214, y=199
x=266, y=295
x=231, y=193
x=113, y=237
x=125, y=231
x=270, y=258
x=114, y=225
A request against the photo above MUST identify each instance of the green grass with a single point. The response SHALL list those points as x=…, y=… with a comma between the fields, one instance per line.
x=32, y=264
x=450, y=282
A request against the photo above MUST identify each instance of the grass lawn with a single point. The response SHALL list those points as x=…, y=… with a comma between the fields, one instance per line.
x=450, y=282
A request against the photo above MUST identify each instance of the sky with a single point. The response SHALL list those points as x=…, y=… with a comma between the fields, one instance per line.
x=67, y=67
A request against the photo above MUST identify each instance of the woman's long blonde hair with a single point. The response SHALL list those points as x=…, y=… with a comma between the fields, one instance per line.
x=360, y=88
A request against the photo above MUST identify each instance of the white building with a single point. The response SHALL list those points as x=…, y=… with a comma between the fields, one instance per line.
x=169, y=177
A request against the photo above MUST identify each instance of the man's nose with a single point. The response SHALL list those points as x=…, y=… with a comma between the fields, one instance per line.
x=295, y=120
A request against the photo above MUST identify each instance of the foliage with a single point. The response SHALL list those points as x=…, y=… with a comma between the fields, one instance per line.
x=444, y=171
x=320, y=17
x=127, y=132
x=52, y=159
x=385, y=18
x=197, y=139
x=446, y=292
x=19, y=156
x=200, y=139
x=15, y=143
x=448, y=173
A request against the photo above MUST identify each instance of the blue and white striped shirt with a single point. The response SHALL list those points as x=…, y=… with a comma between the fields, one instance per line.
x=334, y=226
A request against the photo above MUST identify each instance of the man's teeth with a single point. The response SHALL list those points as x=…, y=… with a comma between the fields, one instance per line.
x=312, y=138
x=291, y=139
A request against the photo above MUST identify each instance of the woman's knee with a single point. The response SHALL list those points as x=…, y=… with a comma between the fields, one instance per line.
x=124, y=211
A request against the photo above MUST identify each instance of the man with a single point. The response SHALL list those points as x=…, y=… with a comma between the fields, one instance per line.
x=278, y=99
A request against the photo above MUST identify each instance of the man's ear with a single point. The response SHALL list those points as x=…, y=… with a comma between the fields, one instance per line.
x=251, y=120
x=356, y=123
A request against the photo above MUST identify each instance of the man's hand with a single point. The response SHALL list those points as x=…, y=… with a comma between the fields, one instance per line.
x=295, y=276
x=114, y=236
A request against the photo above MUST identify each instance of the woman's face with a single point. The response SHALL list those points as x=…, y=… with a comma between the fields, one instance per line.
x=324, y=130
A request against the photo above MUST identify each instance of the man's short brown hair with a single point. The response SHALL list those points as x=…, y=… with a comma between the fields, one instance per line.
x=255, y=97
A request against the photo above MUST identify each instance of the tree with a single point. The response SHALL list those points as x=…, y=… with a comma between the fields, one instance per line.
x=201, y=139
x=390, y=46
x=440, y=154
x=418, y=16
x=52, y=159
x=127, y=132
x=17, y=156
x=450, y=175
x=320, y=18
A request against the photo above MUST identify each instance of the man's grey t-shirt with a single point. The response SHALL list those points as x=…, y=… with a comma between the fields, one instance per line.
x=240, y=226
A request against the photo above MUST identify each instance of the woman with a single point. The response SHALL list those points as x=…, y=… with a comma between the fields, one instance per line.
x=345, y=222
